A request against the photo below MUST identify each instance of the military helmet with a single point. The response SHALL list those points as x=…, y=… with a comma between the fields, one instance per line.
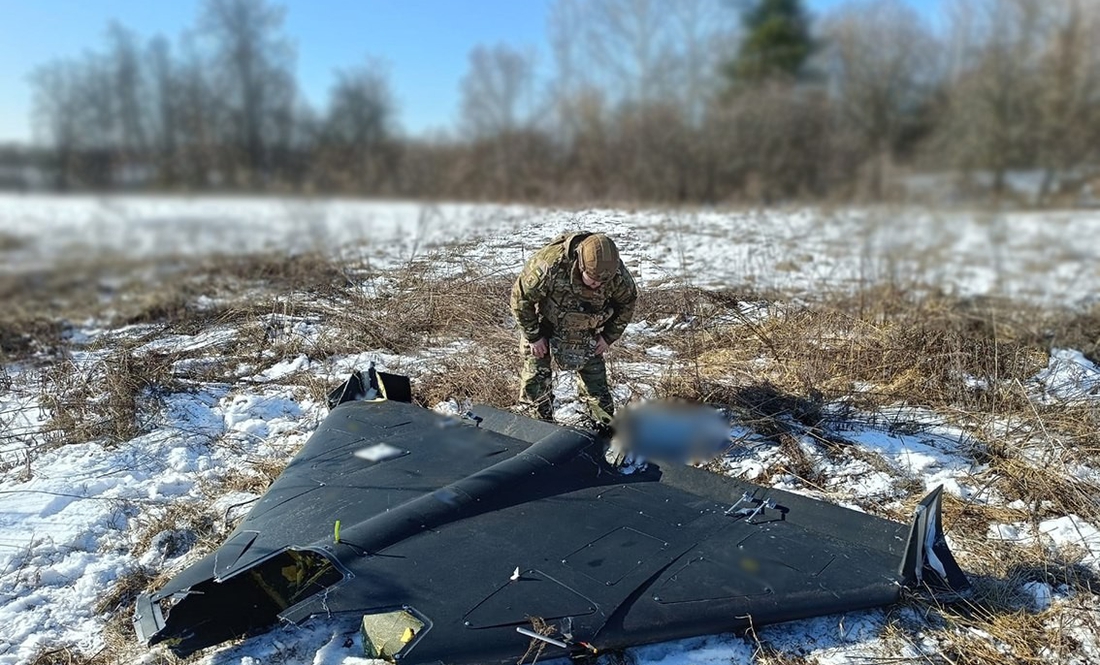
x=598, y=256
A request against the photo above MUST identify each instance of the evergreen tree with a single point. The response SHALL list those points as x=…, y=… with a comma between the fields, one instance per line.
x=777, y=42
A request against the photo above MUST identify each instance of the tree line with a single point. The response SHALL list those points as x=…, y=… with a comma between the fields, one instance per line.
x=645, y=100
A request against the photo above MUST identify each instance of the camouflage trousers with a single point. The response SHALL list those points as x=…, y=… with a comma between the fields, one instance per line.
x=536, y=383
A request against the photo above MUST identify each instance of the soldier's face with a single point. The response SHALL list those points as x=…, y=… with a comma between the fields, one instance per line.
x=590, y=281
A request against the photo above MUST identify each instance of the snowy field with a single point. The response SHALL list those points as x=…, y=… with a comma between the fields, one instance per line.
x=77, y=519
x=1048, y=256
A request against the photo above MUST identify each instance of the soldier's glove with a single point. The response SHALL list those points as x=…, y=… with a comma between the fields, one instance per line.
x=623, y=461
x=615, y=454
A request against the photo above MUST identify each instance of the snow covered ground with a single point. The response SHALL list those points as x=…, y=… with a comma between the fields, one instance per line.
x=787, y=250
x=76, y=520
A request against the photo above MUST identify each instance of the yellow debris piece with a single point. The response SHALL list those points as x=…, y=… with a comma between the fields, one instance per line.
x=292, y=573
x=384, y=635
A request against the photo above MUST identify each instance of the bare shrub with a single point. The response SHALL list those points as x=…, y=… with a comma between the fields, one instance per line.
x=417, y=311
x=105, y=400
x=309, y=272
x=476, y=377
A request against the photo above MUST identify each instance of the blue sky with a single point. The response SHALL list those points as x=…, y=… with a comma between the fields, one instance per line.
x=425, y=42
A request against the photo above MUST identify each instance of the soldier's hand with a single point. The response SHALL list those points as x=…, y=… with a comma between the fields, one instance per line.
x=601, y=345
x=540, y=348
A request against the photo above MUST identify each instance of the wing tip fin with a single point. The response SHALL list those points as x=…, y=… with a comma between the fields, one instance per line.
x=928, y=560
x=393, y=387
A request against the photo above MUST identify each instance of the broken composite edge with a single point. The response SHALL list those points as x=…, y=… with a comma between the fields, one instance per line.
x=415, y=521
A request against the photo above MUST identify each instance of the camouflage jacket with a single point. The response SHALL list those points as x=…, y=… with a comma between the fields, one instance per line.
x=550, y=300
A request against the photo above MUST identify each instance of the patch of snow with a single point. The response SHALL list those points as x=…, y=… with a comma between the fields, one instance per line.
x=1074, y=532
x=1040, y=594
x=282, y=369
x=1069, y=535
x=1069, y=377
x=709, y=650
x=214, y=338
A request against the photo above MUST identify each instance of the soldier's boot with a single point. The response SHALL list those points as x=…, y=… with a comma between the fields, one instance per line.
x=537, y=410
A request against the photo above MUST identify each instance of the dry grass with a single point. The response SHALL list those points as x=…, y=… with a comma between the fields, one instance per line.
x=414, y=312
x=188, y=526
x=253, y=476
x=121, y=597
x=103, y=401
x=925, y=353
x=73, y=655
x=1048, y=492
x=483, y=375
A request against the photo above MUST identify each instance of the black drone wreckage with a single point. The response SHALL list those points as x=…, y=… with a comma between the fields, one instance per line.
x=471, y=540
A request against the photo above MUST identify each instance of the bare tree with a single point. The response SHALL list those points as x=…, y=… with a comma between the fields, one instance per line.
x=1069, y=97
x=57, y=113
x=100, y=128
x=167, y=103
x=498, y=114
x=775, y=143
x=883, y=65
x=129, y=91
x=704, y=34
x=361, y=123
x=92, y=112
x=200, y=116
x=639, y=51
x=497, y=91
x=255, y=61
x=652, y=66
x=993, y=111
x=628, y=39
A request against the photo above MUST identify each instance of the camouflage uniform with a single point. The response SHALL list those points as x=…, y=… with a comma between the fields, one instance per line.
x=550, y=300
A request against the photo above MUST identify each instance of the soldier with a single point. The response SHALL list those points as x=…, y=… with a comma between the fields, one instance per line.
x=572, y=301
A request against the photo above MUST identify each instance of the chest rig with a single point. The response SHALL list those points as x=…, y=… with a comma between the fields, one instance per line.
x=575, y=315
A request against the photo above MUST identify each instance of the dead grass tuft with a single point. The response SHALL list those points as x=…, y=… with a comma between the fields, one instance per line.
x=999, y=622
x=119, y=648
x=1048, y=492
x=69, y=655
x=769, y=655
x=24, y=333
x=481, y=375
x=125, y=591
x=412, y=312
x=106, y=400
x=879, y=347
x=178, y=528
x=254, y=477
x=310, y=272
